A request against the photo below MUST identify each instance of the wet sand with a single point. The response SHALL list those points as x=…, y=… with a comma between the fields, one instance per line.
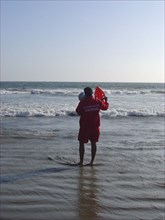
x=126, y=182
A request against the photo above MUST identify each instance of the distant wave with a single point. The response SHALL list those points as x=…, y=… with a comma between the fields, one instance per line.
x=134, y=92
x=40, y=91
x=76, y=91
x=135, y=112
x=113, y=113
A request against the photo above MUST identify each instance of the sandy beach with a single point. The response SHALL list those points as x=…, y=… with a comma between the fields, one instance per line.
x=127, y=181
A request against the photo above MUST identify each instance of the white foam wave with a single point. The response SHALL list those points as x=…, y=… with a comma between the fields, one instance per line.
x=11, y=92
x=74, y=91
x=55, y=91
x=133, y=92
x=112, y=113
x=135, y=112
x=40, y=91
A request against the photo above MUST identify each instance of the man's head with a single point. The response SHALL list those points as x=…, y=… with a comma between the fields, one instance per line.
x=88, y=91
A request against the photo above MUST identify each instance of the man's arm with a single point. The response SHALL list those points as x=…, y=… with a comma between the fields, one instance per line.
x=104, y=104
x=78, y=109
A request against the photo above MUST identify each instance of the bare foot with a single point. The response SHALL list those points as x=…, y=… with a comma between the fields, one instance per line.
x=89, y=164
x=80, y=164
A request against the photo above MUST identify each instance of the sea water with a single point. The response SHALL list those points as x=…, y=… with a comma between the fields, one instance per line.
x=38, y=120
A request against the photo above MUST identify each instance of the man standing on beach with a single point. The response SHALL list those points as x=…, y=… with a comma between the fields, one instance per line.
x=89, y=109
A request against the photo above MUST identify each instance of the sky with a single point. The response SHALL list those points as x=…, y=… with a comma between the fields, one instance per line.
x=89, y=41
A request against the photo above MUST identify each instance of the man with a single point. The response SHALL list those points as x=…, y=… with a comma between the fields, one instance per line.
x=88, y=109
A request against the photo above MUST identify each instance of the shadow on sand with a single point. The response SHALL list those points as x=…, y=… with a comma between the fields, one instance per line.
x=11, y=178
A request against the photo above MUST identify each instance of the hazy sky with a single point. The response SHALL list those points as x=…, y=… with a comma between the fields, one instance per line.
x=111, y=41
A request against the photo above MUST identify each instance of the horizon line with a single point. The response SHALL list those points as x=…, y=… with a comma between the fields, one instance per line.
x=78, y=81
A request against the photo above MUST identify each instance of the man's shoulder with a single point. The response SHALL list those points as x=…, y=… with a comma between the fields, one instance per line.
x=90, y=100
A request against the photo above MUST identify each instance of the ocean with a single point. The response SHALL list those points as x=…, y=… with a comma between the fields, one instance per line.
x=38, y=121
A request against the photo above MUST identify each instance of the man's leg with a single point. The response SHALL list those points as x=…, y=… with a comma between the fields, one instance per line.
x=81, y=152
x=93, y=151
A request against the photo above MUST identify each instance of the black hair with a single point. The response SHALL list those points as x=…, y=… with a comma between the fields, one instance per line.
x=88, y=91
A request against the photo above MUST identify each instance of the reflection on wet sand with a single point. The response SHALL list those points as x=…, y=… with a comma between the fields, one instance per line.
x=88, y=207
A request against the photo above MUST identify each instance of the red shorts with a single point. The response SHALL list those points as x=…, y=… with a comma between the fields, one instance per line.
x=85, y=135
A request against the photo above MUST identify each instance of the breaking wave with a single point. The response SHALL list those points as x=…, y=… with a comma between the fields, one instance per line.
x=75, y=91
x=112, y=113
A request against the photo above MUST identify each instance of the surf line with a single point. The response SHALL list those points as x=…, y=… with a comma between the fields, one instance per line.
x=12, y=178
x=67, y=163
x=63, y=162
